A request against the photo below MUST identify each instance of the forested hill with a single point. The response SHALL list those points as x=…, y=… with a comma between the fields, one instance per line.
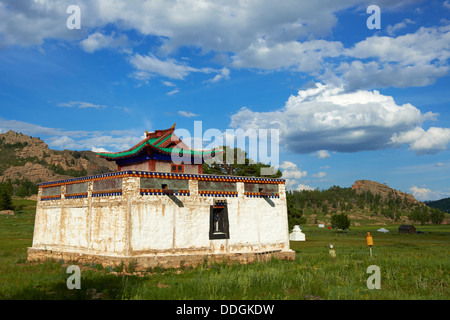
x=362, y=205
x=443, y=204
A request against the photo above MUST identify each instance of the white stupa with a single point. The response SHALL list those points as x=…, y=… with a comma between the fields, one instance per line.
x=297, y=234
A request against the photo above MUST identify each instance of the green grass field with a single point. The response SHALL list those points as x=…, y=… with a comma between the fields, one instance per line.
x=411, y=266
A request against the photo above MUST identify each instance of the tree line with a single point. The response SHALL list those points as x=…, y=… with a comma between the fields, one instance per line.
x=18, y=188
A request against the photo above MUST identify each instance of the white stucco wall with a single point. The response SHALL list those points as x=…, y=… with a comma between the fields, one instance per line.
x=75, y=232
x=161, y=166
x=191, y=168
x=135, y=224
x=47, y=232
x=143, y=166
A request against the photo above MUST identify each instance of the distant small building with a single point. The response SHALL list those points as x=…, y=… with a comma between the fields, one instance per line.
x=406, y=229
x=297, y=234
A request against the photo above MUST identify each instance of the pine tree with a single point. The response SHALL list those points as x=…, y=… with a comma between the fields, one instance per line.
x=5, y=200
x=295, y=214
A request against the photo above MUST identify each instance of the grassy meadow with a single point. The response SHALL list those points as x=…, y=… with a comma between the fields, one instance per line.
x=413, y=267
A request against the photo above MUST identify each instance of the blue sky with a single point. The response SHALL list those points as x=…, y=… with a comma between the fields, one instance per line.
x=348, y=102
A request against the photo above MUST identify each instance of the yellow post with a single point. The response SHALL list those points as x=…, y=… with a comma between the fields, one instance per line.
x=369, y=241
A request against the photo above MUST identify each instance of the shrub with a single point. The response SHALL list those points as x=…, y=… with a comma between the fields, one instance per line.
x=340, y=221
x=437, y=216
x=420, y=215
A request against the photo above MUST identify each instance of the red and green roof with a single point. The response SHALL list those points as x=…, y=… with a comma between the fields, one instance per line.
x=160, y=141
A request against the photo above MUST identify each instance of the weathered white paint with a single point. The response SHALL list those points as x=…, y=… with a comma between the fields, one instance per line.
x=191, y=168
x=75, y=234
x=139, y=166
x=161, y=166
x=132, y=224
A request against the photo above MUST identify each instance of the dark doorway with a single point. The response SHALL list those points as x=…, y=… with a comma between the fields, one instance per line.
x=219, y=227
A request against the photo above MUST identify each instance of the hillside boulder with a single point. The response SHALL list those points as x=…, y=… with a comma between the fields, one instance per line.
x=383, y=190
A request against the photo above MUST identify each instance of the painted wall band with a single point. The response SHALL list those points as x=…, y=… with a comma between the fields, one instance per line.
x=106, y=193
x=163, y=175
x=76, y=195
x=160, y=192
x=218, y=193
x=258, y=195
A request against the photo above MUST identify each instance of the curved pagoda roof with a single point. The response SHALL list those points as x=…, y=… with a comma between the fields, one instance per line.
x=159, y=141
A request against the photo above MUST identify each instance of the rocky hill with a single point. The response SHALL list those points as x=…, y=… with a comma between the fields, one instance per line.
x=383, y=190
x=365, y=203
x=27, y=158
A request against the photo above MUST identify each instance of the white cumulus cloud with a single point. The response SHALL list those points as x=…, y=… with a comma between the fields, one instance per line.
x=223, y=75
x=301, y=187
x=392, y=29
x=424, y=141
x=94, y=149
x=97, y=41
x=150, y=65
x=414, y=59
x=263, y=35
x=81, y=105
x=320, y=174
x=305, y=56
x=116, y=140
x=172, y=92
x=329, y=118
x=322, y=154
x=291, y=171
x=424, y=194
x=187, y=114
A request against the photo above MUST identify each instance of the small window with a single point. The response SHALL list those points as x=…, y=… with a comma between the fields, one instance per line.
x=219, y=228
x=166, y=189
x=177, y=168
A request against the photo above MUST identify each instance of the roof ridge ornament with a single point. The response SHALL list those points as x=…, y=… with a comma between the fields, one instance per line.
x=172, y=128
